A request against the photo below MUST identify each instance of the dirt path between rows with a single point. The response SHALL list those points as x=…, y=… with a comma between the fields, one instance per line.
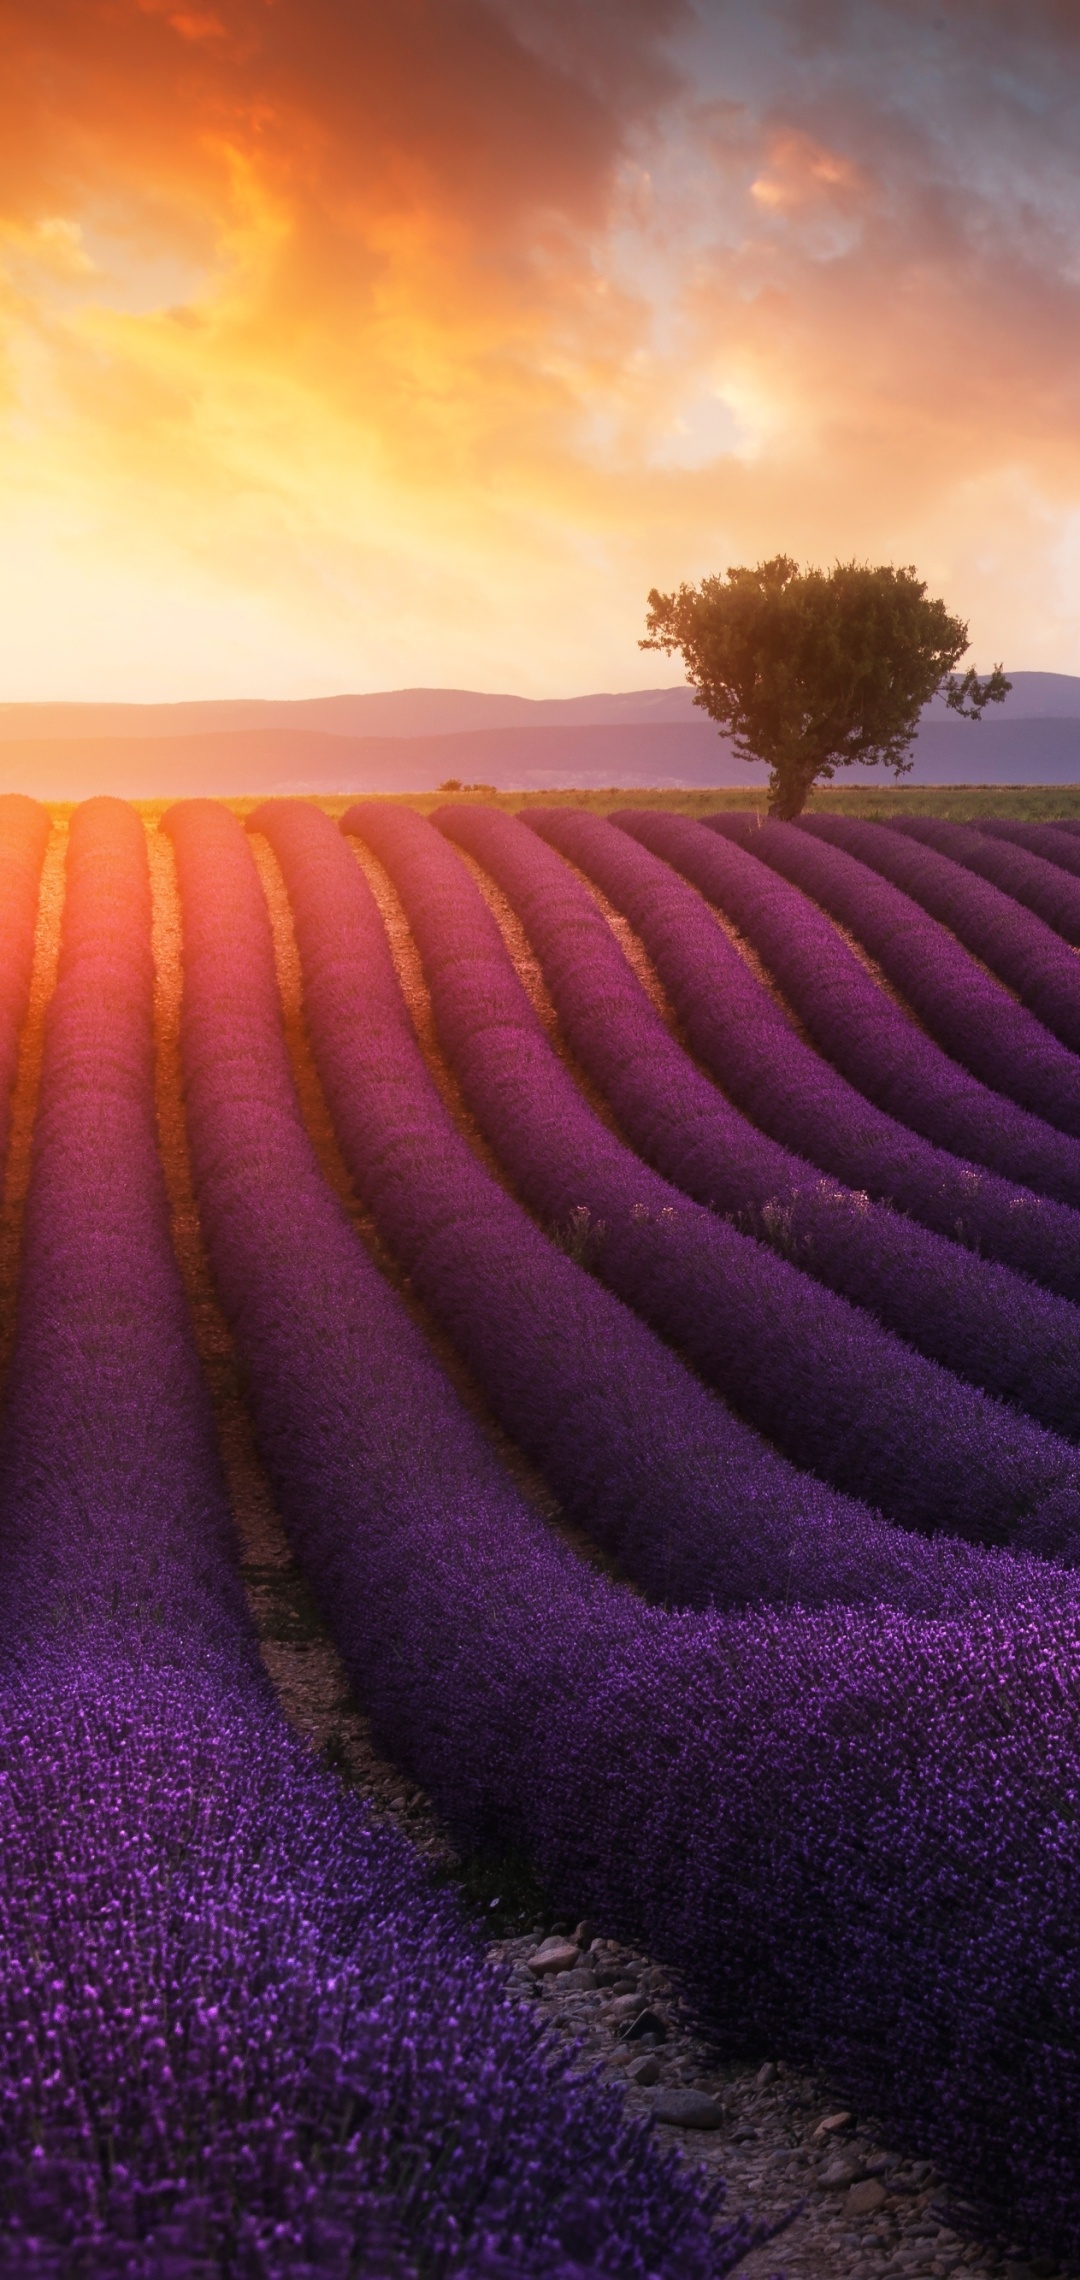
x=866, y=2214
x=299, y=1654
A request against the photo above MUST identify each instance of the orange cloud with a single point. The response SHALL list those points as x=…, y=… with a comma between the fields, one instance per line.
x=800, y=173
x=427, y=339
x=198, y=27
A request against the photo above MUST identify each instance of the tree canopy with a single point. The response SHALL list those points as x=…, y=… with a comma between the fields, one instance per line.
x=812, y=670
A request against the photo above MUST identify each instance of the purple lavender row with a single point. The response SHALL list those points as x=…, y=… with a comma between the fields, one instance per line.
x=696, y=1507
x=838, y=1394
x=112, y=1509
x=1043, y=974
x=233, y=2016
x=24, y=835
x=458, y=1615
x=1047, y=840
x=974, y=1317
x=855, y=1835
x=1016, y=907
x=699, y=1510
x=919, y=915
x=872, y=1043
x=736, y=1029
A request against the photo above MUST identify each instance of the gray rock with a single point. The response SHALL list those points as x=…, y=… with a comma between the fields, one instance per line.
x=624, y=2007
x=644, y=2071
x=555, y=1955
x=837, y=2173
x=647, y=2023
x=841, y=2121
x=688, y=2110
x=865, y=2199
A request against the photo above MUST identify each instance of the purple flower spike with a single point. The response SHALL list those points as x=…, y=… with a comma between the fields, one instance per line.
x=1042, y=976
x=976, y=1318
x=856, y=1834
x=736, y=1028
x=239, y=2031
x=915, y=911
x=836, y=1392
x=698, y=1510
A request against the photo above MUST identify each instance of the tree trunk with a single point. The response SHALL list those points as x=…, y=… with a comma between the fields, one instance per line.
x=789, y=791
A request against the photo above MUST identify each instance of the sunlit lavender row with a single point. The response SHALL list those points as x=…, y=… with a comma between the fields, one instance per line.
x=762, y=1246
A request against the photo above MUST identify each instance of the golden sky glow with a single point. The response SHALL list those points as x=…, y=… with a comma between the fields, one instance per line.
x=351, y=346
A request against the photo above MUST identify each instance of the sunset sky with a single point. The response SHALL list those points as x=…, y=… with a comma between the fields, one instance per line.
x=347, y=344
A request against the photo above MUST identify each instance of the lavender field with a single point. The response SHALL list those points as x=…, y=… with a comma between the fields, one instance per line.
x=616, y=1280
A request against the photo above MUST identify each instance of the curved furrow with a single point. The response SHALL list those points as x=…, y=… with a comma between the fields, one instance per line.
x=835, y=1391
x=920, y=916
x=24, y=836
x=977, y=1319
x=772, y=878
x=1026, y=944
x=1046, y=840
x=853, y=1833
x=699, y=1510
x=235, y=2020
x=732, y=1023
x=1025, y=874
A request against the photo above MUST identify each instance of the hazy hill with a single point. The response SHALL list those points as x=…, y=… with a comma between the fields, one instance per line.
x=1033, y=696
x=414, y=739
x=389, y=712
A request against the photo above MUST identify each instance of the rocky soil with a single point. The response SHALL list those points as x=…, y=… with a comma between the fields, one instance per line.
x=859, y=2210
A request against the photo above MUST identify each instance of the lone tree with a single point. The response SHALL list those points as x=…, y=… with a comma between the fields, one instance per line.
x=809, y=670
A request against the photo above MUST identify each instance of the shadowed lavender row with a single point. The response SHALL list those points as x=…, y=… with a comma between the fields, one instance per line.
x=1051, y=841
x=837, y=1393
x=24, y=835
x=919, y=915
x=238, y=2032
x=112, y=1508
x=735, y=1027
x=699, y=1510
x=868, y=1038
x=694, y=1504
x=854, y=1834
x=1041, y=972
x=976, y=1318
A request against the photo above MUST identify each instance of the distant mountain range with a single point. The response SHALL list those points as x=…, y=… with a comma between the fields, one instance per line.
x=415, y=739
x=389, y=712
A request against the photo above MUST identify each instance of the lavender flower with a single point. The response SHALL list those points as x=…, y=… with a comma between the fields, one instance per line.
x=1050, y=841
x=239, y=2032
x=1023, y=874
x=854, y=1833
x=697, y=1509
x=986, y=1324
x=969, y=1013
x=735, y=1027
x=837, y=1393
x=867, y=1037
